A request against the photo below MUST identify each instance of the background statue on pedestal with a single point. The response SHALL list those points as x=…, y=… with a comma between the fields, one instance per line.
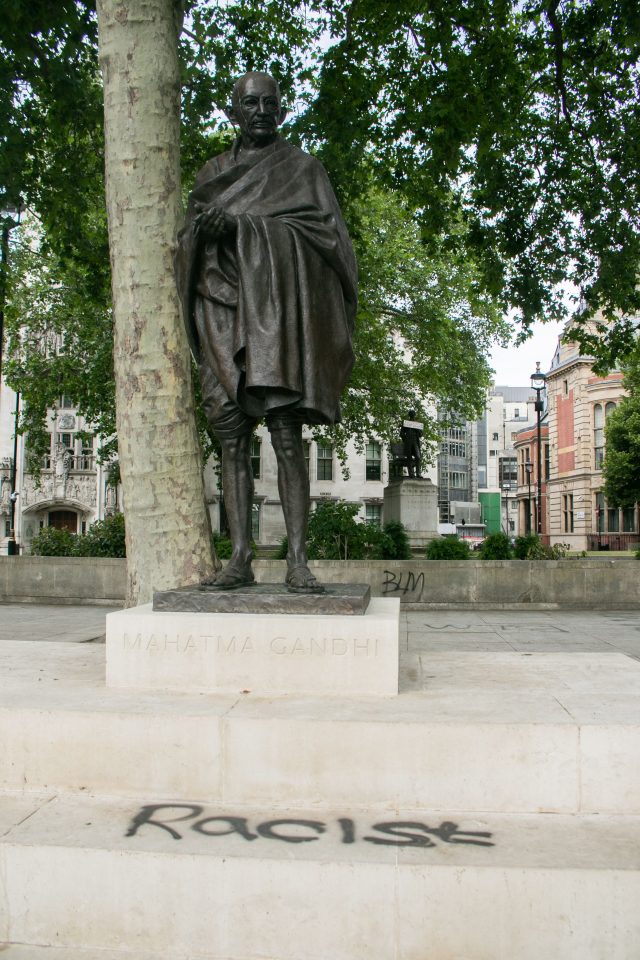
x=268, y=282
x=410, y=435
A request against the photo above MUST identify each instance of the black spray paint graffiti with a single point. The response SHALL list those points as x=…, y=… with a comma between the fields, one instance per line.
x=397, y=833
x=403, y=583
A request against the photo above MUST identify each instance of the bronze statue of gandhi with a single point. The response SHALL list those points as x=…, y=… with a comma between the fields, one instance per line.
x=268, y=282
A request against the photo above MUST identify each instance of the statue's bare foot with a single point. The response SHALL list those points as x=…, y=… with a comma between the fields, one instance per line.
x=233, y=576
x=300, y=580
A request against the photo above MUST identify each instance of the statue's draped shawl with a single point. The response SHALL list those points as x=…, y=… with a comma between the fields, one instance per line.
x=276, y=302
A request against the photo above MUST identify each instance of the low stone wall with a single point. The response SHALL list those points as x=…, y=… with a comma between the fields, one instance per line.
x=62, y=580
x=473, y=584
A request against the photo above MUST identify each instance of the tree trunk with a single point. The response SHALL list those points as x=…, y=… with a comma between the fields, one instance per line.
x=168, y=530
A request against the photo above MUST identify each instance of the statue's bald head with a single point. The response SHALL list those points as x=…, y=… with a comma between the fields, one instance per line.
x=249, y=79
x=256, y=108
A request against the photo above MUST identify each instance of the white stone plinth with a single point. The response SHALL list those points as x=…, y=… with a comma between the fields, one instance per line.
x=415, y=504
x=269, y=655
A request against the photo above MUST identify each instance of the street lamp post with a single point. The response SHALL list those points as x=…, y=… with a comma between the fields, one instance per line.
x=538, y=381
x=10, y=217
x=529, y=470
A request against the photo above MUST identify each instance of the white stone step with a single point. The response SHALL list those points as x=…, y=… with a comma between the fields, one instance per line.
x=76, y=875
x=27, y=951
x=502, y=732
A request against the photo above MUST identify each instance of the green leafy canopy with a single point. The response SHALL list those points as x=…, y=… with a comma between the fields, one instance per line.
x=484, y=154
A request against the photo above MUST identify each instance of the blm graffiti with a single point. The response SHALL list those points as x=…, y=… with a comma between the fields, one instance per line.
x=176, y=819
x=403, y=582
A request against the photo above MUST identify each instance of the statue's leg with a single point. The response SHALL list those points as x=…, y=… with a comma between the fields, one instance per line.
x=293, y=486
x=233, y=429
x=237, y=487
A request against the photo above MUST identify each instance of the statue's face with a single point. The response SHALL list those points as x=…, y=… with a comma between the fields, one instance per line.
x=257, y=109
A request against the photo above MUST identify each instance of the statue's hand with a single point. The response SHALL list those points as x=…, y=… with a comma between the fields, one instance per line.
x=214, y=222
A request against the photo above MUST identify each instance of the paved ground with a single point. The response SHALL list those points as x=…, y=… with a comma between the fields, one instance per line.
x=35, y=621
x=485, y=631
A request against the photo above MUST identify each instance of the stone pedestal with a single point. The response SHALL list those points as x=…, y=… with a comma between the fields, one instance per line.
x=415, y=504
x=268, y=655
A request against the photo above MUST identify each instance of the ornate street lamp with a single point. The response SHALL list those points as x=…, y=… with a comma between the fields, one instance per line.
x=538, y=381
x=529, y=470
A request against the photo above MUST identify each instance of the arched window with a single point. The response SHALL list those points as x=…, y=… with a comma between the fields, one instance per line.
x=598, y=436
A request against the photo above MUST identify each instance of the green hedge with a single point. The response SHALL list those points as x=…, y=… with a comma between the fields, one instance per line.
x=447, y=548
x=105, y=538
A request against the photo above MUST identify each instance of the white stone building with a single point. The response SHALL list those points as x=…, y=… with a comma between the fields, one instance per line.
x=73, y=491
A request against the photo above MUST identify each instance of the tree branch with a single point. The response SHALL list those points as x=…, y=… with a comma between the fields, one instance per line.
x=558, y=45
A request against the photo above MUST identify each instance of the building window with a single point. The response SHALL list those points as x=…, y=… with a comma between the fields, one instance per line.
x=507, y=471
x=373, y=514
x=255, y=457
x=255, y=521
x=598, y=436
x=325, y=462
x=516, y=413
x=496, y=436
x=306, y=447
x=374, y=461
x=600, y=512
x=457, y=478
x=629, y=520
x=457, y=448
x=547, y=461
x=613, y=520
x=7, y=527
x=567, y=512
x=86, y=454
x=65, y=403
x=609, y=408
x=565, y=384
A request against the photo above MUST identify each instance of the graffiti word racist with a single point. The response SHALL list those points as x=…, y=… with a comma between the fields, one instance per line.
x=392, y=833
x=403, y=583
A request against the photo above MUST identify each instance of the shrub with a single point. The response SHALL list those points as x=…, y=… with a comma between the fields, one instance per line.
x=400, y=549
x=282, y=549
x=336, y=534
x=496, y=547
x=51, y=542
x=105, y=538
x=526, y=546
x=222, y=546
x=531, y=547
x=447, y=548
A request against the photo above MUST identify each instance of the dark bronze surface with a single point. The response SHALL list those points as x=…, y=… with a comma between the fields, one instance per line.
x=346, y=599
x=268, y=282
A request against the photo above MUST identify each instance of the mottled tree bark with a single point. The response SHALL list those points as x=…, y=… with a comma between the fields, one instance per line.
x=168, y=536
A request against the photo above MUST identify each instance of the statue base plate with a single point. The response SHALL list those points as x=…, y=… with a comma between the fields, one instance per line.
x=343, y=599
